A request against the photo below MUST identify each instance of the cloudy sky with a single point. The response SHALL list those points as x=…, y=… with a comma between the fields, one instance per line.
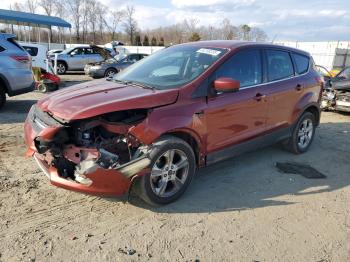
x=302, y=20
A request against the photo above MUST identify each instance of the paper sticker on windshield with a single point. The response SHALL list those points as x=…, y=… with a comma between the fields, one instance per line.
x=212, y=52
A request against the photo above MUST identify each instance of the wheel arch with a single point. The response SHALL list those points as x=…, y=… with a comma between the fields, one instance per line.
x=192, y=140
x=315, y=111
x=64, y=62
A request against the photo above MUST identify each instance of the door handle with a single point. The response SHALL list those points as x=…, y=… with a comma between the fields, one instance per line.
x=199, y=113
x=258, y=97
x=299, y=87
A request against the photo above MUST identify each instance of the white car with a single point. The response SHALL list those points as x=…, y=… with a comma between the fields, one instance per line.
x=38, y=53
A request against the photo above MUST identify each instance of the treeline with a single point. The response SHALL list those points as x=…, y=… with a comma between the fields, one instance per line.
x=96, y=23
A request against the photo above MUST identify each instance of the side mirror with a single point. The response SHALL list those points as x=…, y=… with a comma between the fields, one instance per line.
x=226, y=84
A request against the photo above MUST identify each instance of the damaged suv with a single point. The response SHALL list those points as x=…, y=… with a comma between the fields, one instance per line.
x=185, y=107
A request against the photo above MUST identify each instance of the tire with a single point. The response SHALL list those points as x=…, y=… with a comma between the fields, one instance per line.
x=303, y=131
x=163, y=186
x=110, y=72
x=61, y=68
x=2, y=97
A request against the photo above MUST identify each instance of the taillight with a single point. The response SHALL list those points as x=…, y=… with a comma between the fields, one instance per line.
x=21, y=58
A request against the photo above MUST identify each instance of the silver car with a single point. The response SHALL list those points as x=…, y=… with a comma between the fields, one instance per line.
x=16, y=75
x=75, y=58
x=112, y=66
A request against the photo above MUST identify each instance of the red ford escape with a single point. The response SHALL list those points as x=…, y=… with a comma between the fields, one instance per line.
x=185, y=107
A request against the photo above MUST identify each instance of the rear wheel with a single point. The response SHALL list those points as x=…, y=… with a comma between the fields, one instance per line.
x=172, y=169
x=2, y=97
x=110, y=72
x=303, y=134
x=61, y=68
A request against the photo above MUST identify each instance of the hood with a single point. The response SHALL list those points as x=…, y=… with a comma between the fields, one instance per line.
x=100, y=97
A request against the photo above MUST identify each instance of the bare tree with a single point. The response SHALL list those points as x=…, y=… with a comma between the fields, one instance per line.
x=60, y=11
x=74, y=8
x=229, y=31
x=258, y=35
x=116, y=17
x=100, y=11
x=130, y=24
x=31, y=6
x=48, y=6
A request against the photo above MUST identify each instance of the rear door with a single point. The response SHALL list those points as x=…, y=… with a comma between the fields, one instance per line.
x=237, y=117
x=285, y=87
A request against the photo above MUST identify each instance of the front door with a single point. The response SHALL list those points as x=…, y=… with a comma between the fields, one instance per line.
x=237, y=117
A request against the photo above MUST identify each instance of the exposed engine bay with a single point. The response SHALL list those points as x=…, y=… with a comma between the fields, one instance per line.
x=81, y=147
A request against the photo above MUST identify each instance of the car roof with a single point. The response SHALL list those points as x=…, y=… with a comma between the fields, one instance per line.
x=236, y=44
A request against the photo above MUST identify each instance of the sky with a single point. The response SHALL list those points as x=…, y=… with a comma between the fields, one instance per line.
x=296, y=20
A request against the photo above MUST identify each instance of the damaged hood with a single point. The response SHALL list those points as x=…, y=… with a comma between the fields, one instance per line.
x=100, y=97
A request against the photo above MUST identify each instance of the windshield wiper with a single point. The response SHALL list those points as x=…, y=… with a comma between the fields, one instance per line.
x=140, y=85
x=131, y=83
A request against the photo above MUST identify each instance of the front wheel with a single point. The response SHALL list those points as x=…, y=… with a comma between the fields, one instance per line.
x=172, y=169
x=303, y=134
x=61, y=68
x=110, y=72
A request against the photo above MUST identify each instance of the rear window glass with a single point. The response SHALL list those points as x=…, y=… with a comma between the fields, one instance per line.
x=13, y=42
x=33, y=51
x=279, y=65
x=302, y=63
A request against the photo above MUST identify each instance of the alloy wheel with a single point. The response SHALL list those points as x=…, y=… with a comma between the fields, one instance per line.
x=305, y=133
x=169, y=173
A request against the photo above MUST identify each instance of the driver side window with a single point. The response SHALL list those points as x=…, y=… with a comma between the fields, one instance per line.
x=245, y=66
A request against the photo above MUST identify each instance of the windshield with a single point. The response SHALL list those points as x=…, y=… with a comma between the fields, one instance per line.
x=66, y=51
x=171, y=67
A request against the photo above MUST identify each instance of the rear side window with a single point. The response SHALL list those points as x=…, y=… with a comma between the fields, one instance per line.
x=13, y=42
x=2, y=49
x=279, y=65
x=33, y=51
x=245, y=66
x=302, y=63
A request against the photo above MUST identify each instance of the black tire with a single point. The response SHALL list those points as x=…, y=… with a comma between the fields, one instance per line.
x=293, y=143
x=61, y=68
x=110, y=71
x=143, y=184
x=2, y=97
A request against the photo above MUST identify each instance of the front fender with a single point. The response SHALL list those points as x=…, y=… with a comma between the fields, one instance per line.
x=171, y=119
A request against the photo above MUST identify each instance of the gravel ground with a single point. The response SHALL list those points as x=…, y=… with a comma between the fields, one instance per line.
x=242, y=209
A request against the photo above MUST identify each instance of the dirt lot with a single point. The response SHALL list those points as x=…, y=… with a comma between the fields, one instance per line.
x=238, y=210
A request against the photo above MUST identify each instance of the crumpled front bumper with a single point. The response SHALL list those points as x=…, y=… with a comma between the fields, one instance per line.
x=105, y=182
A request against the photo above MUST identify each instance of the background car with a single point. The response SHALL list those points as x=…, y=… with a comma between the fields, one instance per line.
x=16, y=75
x=38, y=54
x=336, y=94
x=110, y=67
x=75, y=58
